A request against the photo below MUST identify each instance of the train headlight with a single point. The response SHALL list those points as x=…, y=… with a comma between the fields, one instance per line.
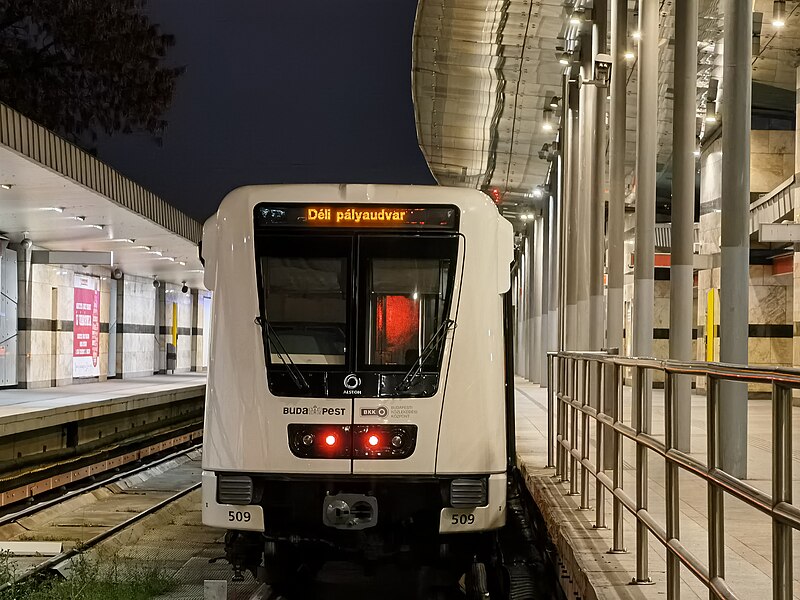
x=234, y=489
x=468, y=493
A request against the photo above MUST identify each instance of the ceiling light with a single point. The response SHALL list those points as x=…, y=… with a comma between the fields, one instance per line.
x=537, y=192
x=181, y=263
x=779, y=13
x=629, y=55
x=711, y=112
x=6, y=186
x=144, y=247
x=524, y=217
x=696, y=152
x=637, y=35
x=58, y=209
x=97, y=226
x=127, y=240
x=156, y=252
x=79, y=218
x=554, y=102
x=575, y=20
x=547, y=126
x=167, y=258
x=564, y=58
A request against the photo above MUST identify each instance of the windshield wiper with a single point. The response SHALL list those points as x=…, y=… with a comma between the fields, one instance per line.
x=269, y=335
x=433, y=344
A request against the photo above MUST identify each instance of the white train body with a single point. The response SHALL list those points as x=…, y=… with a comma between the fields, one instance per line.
x=351, y=283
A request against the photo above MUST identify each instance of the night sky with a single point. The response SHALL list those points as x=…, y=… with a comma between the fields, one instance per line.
x=304, y=91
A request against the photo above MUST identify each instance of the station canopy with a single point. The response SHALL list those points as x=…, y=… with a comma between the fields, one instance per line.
x=64, y=199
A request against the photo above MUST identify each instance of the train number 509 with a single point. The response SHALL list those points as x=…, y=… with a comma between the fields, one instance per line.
x=462, y=519
x=238, y=516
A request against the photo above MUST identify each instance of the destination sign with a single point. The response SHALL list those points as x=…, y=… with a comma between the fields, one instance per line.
x=357, y=216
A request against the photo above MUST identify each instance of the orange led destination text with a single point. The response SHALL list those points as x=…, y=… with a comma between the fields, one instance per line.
x=356, y=216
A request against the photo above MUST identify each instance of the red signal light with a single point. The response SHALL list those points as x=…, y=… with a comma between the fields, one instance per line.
x=495, y=195
x=330, y=440
x=373, y=440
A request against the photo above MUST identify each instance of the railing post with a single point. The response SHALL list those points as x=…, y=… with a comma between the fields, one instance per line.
x=671, y=484
x=716, y=499
x=573, y=430
x=599, y=488
x=563, y=381
x=550, y=432
x=640, y=419
x=585, y=432
x=781, y=490
x=618, y=546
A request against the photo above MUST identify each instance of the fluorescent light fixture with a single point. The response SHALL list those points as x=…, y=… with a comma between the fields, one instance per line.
x=537, y=192
x=575, y=19
x=181, y=263
x=156, y=252
x=167, y=258
x=629, y=55
x=143, y=247
x=554, y=102
x=58, y=209
x=696, y=152
x=637, y=35
x=6, y=186
x=779, y=13
x=524, y=216
x=79, y=218
x=564, y=58
x=546, y=126
x=97, y=226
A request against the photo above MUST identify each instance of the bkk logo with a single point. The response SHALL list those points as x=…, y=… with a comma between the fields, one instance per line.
x=375, y=411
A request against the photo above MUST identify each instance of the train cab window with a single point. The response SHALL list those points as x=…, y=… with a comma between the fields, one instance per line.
x=408, y=284
x=305, y=289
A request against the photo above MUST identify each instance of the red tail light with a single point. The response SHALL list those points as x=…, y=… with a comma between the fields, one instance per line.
x=384, y=441
x=320, y=441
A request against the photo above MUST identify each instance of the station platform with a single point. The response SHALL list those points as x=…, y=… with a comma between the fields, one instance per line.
x=27, y=409
x=589, y=571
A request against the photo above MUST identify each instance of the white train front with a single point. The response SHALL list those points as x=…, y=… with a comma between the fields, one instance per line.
x=357, y=388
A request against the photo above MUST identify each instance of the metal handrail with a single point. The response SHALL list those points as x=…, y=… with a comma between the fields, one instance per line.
x=588, y=385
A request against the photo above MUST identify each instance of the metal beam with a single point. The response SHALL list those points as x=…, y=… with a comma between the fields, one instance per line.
x=64, y=257
x=781, y=233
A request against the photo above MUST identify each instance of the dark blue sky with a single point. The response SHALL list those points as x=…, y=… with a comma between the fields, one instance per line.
x=280, y=92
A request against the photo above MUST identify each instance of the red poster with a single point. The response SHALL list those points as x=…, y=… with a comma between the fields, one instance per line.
x=86, y=327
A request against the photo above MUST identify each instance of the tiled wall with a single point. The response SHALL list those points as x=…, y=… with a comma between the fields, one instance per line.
x=8, y=317
x=45, y=320
x=174, y=295
x=136, y=298
x=771, y=306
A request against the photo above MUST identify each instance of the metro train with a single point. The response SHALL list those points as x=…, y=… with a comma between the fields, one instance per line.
x=360, y=395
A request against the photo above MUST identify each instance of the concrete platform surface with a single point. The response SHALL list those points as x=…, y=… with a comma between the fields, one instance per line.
x=595, y=573
x=21, y=410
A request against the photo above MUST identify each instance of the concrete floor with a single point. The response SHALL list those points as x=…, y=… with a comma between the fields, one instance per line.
x=748, y=535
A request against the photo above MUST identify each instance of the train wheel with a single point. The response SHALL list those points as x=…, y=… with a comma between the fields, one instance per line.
x=477, y=582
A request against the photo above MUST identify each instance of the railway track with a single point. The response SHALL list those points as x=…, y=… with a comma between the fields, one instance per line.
x=35, y=526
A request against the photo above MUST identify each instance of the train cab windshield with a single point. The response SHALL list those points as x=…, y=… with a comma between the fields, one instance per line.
x=373, y=304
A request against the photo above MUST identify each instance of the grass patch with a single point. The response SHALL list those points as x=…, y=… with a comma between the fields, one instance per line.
x=91, y=579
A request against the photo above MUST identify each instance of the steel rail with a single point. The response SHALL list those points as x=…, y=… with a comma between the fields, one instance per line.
x=25, y=512
x=97, y=539
x=563, y=371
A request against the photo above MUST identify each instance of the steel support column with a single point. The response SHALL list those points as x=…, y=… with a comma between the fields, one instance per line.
x=646, y=131
x=554, y=271
x=535, y=325
x=588, y=95
x=571, y=216
x=543, y=344
x=597, y=329
x=683, y=187
x=734, y=280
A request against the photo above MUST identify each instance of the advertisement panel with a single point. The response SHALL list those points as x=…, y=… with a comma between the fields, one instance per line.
x=86, y=328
